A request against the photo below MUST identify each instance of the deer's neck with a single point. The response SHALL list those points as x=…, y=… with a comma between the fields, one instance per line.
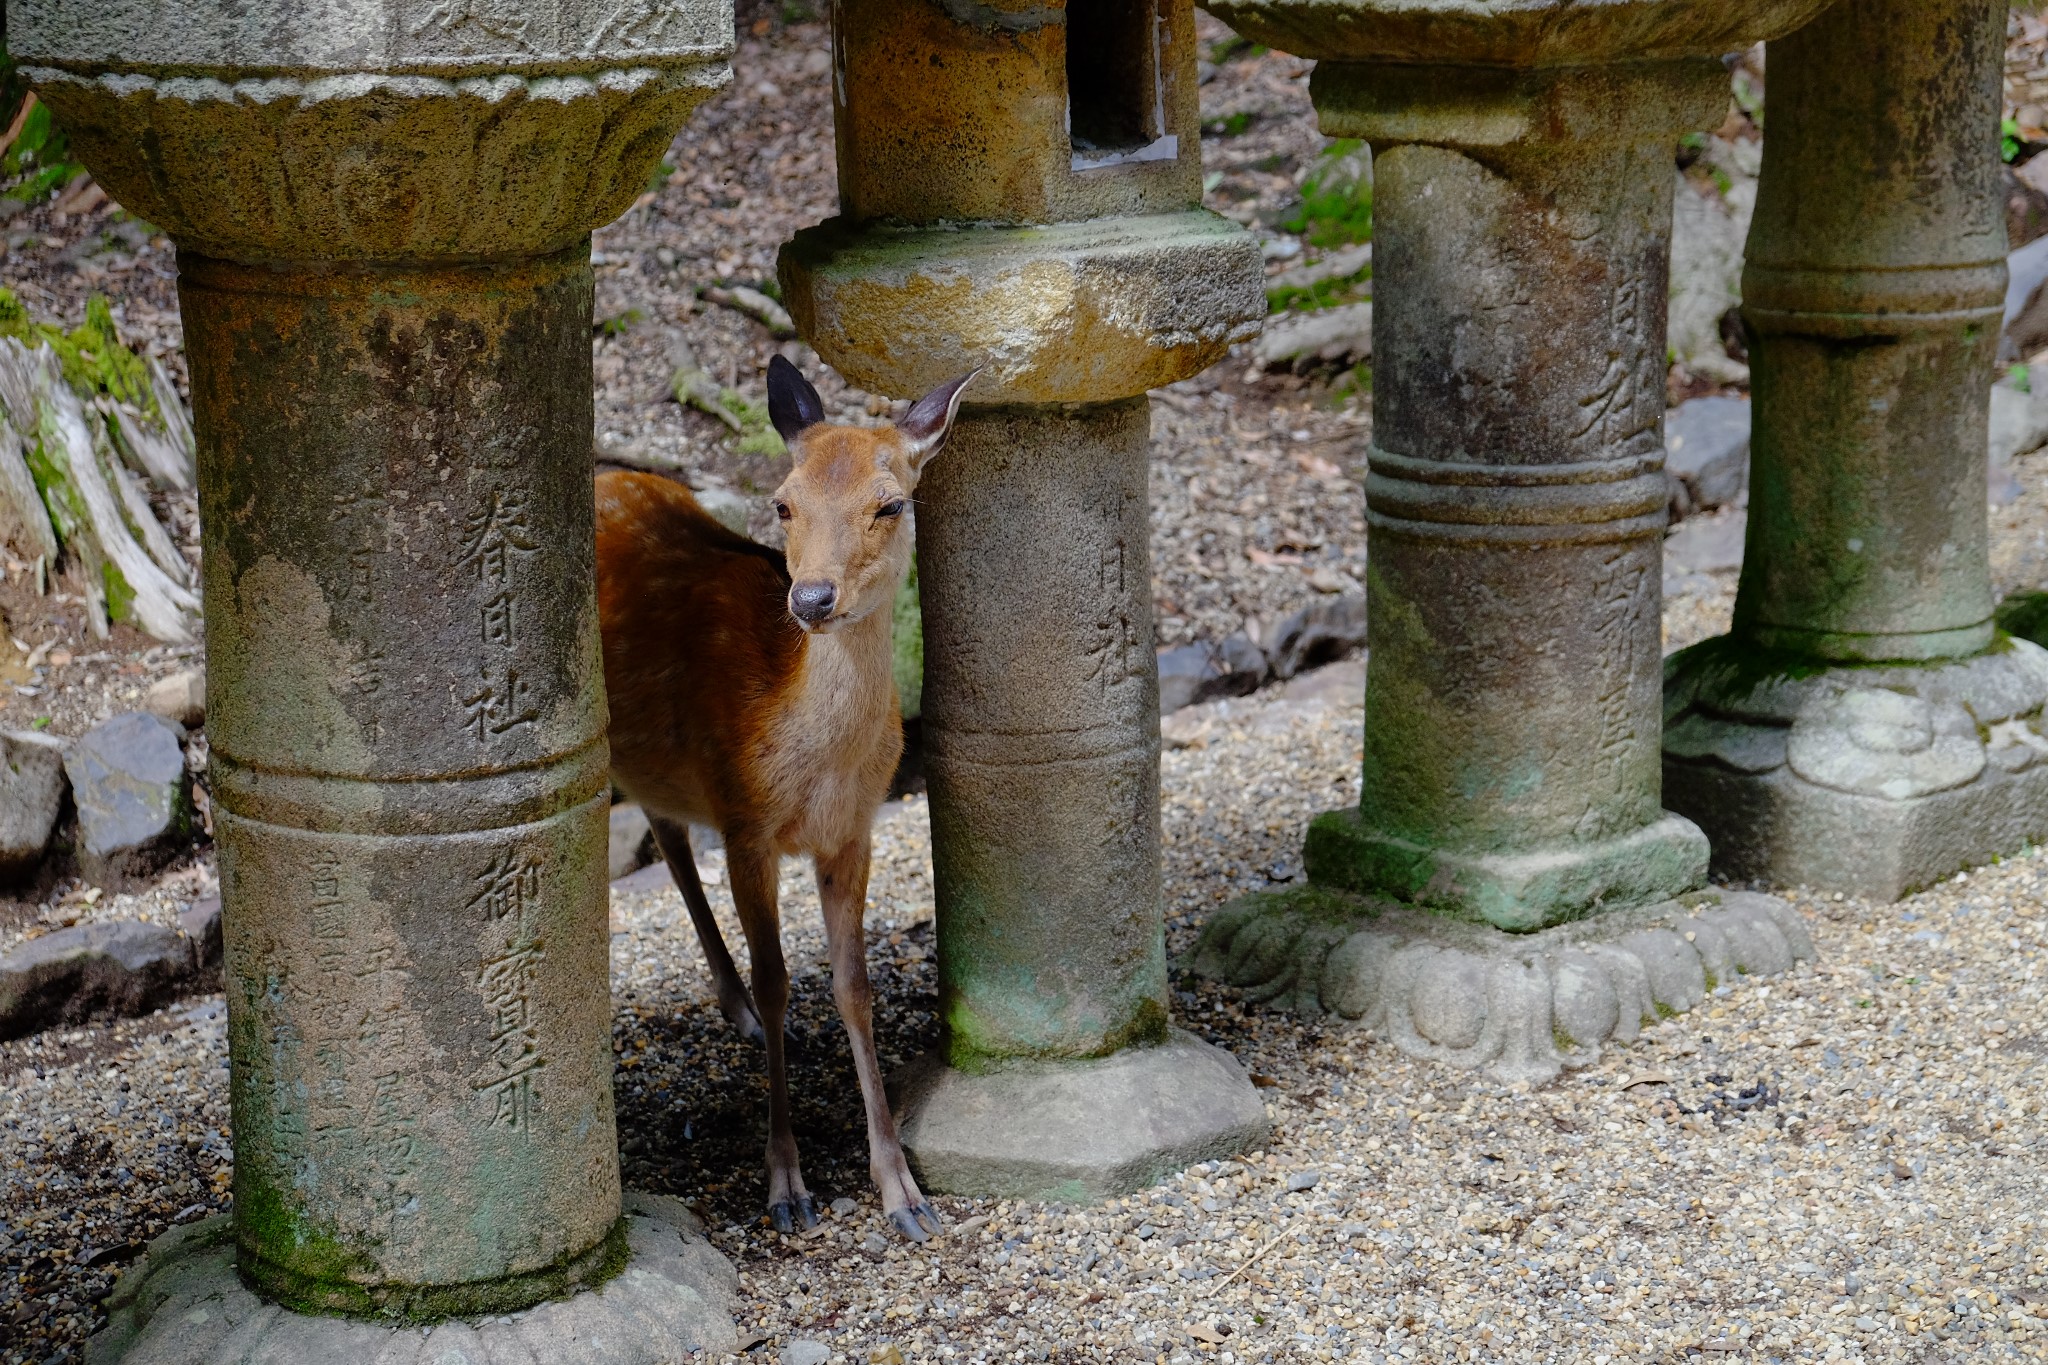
x=846, y=687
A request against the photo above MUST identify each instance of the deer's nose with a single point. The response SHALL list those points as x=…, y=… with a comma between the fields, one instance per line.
x=812, y=602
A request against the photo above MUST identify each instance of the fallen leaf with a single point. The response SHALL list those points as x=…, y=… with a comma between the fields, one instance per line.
x=749, y=1340
x=1263, y=1081
x=1267, y=557
x=1647, y=1078
x=1201, y=1332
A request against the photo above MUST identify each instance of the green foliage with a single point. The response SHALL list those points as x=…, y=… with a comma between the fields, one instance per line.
x=1234, y=45
x=39, y=162
x=2020, y=377
x=1322, y=294
x=659, y=177
x=1336, y=198
x=120, y=596
x=908, y=645
x=92, y=357
x=618, y=323
x=2010, y=144
x=1230, y=125
x=757, y=434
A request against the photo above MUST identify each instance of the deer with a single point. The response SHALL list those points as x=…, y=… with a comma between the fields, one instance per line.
x=753, y=692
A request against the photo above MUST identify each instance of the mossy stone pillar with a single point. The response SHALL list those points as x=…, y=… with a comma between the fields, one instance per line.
x=382, y=214
x=1020, y=191
x=1510, y=893
x=1522, y=218
x=1862, y=727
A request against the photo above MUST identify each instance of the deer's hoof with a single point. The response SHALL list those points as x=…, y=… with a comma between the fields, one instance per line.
x=791, y=1215
x=918, y=1223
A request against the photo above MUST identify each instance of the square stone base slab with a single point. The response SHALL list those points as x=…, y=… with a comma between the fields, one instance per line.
x=1516, y=891
x=1777, y=827
x=183, y=1304
x=1076, y=1131
x=1520, y=1007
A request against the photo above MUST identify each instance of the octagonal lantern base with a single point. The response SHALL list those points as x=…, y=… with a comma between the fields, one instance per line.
x=1075, y=1131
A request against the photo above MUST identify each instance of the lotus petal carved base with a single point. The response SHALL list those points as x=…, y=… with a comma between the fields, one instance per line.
x=1521, y=1007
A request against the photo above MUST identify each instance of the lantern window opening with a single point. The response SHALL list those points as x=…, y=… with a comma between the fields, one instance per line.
x=1116, y=84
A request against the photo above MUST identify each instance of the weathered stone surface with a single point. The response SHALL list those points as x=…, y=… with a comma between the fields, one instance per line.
x=381, y=211
x=1846, y=303
x=1077, y=1130
x=32, y=787
x=632, y=840
x=113, y=968
x=1706, y=449
x=1322, y=632
x=1867, y=537
x=1069, y=312
x=179, y=698
x=1708, y=544
x=1532, y=33
x=1877, y=780
x=1020, y=190
x=183, y=1304
x=1044, y=765
x=1521, y=1007
x=133, y=795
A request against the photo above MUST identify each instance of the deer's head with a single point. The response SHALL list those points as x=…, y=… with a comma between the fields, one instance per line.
x=846, y=505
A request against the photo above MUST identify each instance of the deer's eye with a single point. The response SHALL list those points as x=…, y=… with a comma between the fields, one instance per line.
x=782, y=509
x=891, y=508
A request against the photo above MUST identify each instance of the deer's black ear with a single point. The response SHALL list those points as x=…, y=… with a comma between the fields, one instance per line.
x=930, y=419
x=792, y=403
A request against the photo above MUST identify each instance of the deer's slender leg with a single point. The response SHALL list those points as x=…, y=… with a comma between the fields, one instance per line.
x=843, y=891
x=752, y=869
x=733, y=1001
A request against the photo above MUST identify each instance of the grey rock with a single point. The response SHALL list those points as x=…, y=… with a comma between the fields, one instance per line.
x=200, y=923
x=843, y=1207
x=875, y=1243
x=1194, y=673
x=1708, y=230
x=32, y=787
x=804, y=1351
x=1322, y=632
x=1303, y=1180
x=1706, y=450
x=1081, y=1129
x=133, y=796
x=726, y=507
x=1707, y=544
x=179, y=698
x=632, y=840
x=2026, y=301
x=1334, y=336
x=184, y=1302
x=114, y=968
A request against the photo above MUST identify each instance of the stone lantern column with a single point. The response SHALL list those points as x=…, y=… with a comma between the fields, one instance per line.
x=382, y=212
x=1020, y=191
x=1522, y=215
x=1863, y=727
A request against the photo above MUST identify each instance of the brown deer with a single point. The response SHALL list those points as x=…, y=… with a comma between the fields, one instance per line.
x=753, y=692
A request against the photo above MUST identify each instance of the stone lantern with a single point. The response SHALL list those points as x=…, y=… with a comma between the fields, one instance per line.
x=1020, y=190
x=1522, y=216
x=1864, y=727
x=382, y=212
